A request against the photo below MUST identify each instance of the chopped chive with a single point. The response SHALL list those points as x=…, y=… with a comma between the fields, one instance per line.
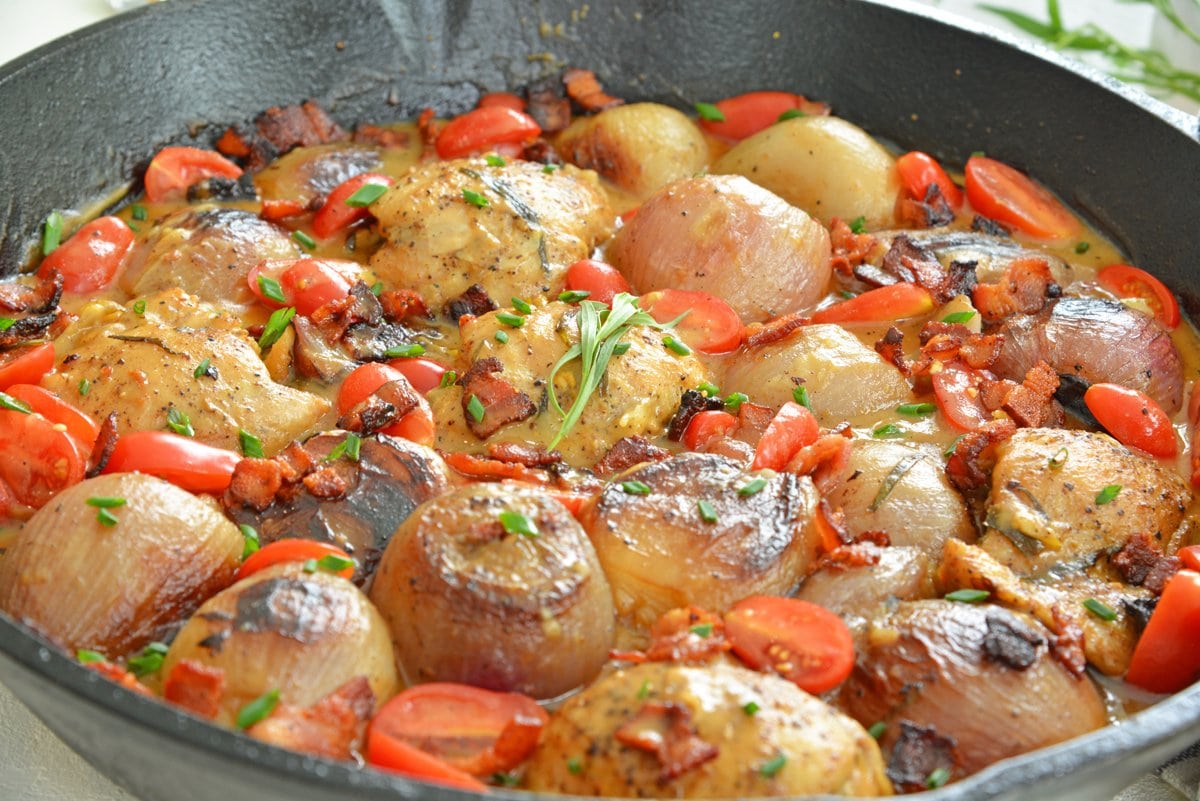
x=968, y=596
x=859, y=224
x=959, y=317
x=1082, y=247
x=800, y=396
x=936, y=779
x=250, y=542
x=501, y=337
x=979, y=153
x=1100, y=609
x=304, y=240
x=13, y=405
x=335, y=563
x=137, y=211
x=887, y=431
x=105, y=502
x=309, y=566
x=504, y=779
x=271, y=289
x=86, y=656
x=85, y=386
x=517, y=523
x=549, y=168
x=953, y=446
x=7, y=323
x=734, y=400
x=251, y=445
x=751, y=708
x=1107, y=494
x=52, y=232
x=621, y=348
x=635, y=487
x=180, y=423
x=106, y=518
x=709, y=388
x=709, y=112
x=494, y=161
x=475, y=198
x=512, y=320
x=702, y=629
x=574, y=765
x=708, y=512
x=139, y=307
x=772, y=766
x=752, y=487
x=348, y=448
x=573, y=295
x=1059, y=458
x=522, y=306
x=448, y=378
x=877, y=729
x=790, y=114
x=845, y=294
x=475, y=408
x=916, y=409
x=377, y=288
x=365, y=195
x=404, y=351
x=203, y=369
x=278, y=322
x=258, y=709
x=898, y=471
x=150, y=660
x=644, y=691
x=676, y=346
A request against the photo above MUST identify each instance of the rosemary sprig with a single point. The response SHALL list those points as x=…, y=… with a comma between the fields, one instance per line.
x=1149, y=68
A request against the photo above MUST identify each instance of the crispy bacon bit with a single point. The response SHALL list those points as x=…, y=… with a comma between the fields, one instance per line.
x=666, y=731
x=831, y=524
x=1023, y=289
x=386, y=405
x=1067, y=643
x=1030, y=403
x=401, y=304
x=941, y=342
x=929, y=212
x=255, y=483
x=541, y=152
x=474, y=301
x=986, y=225
x=688, y=635
x=36, y=299
x=849, y=249
x=519, y=453
x=627, y=452
x=583, y=87
x=106, y=440
x=691, y=403
x=918, y=752
x=336, y=317
x=547, y=105
x=233, y=143
x=429, y=127
x=759, y=334
x=325, y=484
x=196, y=687
x=891, y=348
x=1011, y=643
x=378, y=136
x=332, y=727
x=115, y=673
x=502, y=402
x=305, y=125
x=481, y=468
x=967, y=468
x=1142, y=563
x=911, y=263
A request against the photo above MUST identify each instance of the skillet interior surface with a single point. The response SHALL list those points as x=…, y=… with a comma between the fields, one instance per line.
x=84, y=113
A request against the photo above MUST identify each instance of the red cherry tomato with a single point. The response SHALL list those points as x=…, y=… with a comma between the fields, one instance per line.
x=423, y=374
x=601, y=281
x=292, y=550
x=484, y=128
x=746, y=115
x=502, y=99
x=307, y=284
x=477, y=731
x=792, y=428
x=26, y=365
x=1190, y=556
x=56, y=410
x=183, y=461
x=1133, y=417
x=918, y=171
x=417, y=426
x=895, y=302
x=805, y=643
x=710, y=324
x=335, y=215
x=706, y=426
x=956, y=390
x=174, y=169
x=38, y=457
x=92, y=256
x=1166, y=658
x=276, y=210
x=1006, y=195
x=398, y=756
x=1130, y=282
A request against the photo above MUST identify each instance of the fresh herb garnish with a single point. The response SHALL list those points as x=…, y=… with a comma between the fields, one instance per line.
x=13, y=405
x=377, y=288
x=708, y=512
x=635, y=487
x=959, y=317
x=335, y=563
x=501, y=337
x=475, y=198
x=1100, y=609
x=893, y=477
x=967, y=596
x=676, y=346
x=85, y=386
x=475, y=409
x=517, y=523
x=751, y=708
x=953, y=446
x=574, y=765
x=772, y=765
x=180, y=423
x=348, y=448
x=916, y=409
x=1107, y=494
x=709, y=112
x=52, y=233
x=86, y=656
x=734, y=400
x=105, y=502
x=7, y=323
x=205, y=369
x=404, y=351
x=139, y=307
x=573, y=295
x=271, y=289
x=644, y=691
x=549, y=168
x=800, y=396
x=251, y=445
x=304, y=240
x=277, y=323
x=365, y=195
x=1059, y=458
x=936, y=779
x=877, y=729
x=504, y=779
x=790, y=114
x=250, y=541
x=702, y=629
x=622, y=348
x=137, y=211
x=493, y=160
x=522, y=306
x=859, y=224
x=511, y=320
x=709, y=389
x=258, y=709
x=106, y=518
x=448, y=378
x=887, y=431
x=150, y=660
x=752, y=487
x=1082, y=247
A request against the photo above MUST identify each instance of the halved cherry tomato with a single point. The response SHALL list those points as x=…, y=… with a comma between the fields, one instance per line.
x=417, y=426
x=956, y=390
x=174, y=169
x=477, y=731
x=1006, y=195
x=746, y=115
x=183, y=461
x=92, y=256
x=1166, y=658
x=398, y=756
x=483, y=128
x=918, y=171
x=601, y=281
x=276, y=210
x=894, y=302
x=792, y=428
x=710, y=324
x=805, y=643
x=307, y=284
x=1127, y=281
x=423, y=374
x=26, y=365
x=335, y=215
x=38, y=457
x=706, y=426
x=56, y=410
x=1190, y=556
x=1133, y=417
x=502, y=99
x=292, y=550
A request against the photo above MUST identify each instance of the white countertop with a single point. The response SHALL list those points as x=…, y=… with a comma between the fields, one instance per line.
x=37, y=766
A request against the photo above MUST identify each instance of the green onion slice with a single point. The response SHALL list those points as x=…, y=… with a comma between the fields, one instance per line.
x=258, y=709
x=517, y=523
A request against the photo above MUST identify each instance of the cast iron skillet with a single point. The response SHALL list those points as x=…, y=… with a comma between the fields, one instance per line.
x=81, y=115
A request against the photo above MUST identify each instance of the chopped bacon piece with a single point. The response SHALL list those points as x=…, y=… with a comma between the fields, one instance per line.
x=849, y=249
x=627, y=452
x=666, y=731
x=930, y=212
x=106, y=440
x=1067, y=643
x=326, y=484
x=691, y=403
x=196, y=687
x=255, y=483
x=502, y=402
x=115, y=673
x=307, y=124
x=986, y=225
x=401, y=304
x=386, y=405
x=757, y=335
x=332, y=727
x=866, y=549
x=918, y=752
x=482, y=468
x=377, y=135
x=967, y=468
x=360, y=305
x=528, y=455
x=234, y=144
x=474, y=301
x=687, y=635
x=36, y=299
x=429, y=127
x=583, y=87
x=547, y=105
x=1024, y=288
x=541, y=152
x=1142, y=563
